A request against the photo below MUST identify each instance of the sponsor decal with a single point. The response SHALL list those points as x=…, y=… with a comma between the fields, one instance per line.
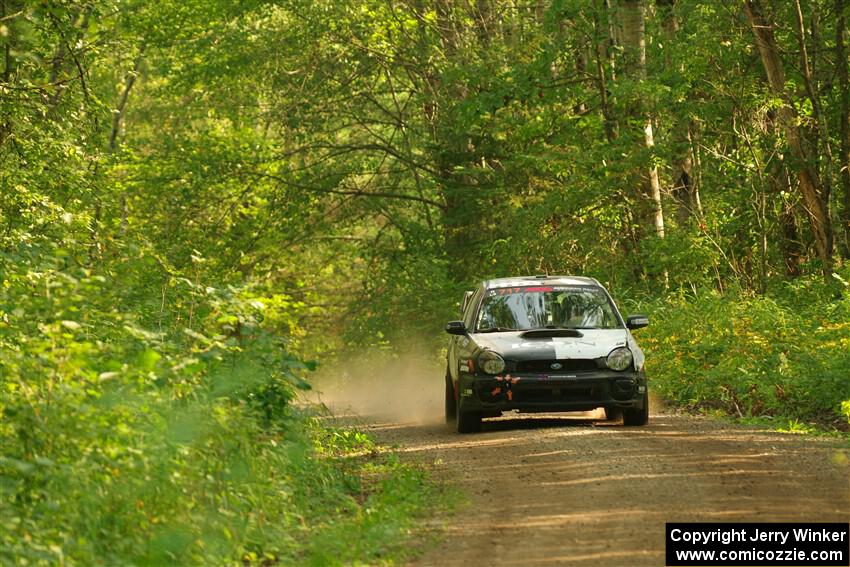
x=542, y=289
x=532, y=345
x=503, y=388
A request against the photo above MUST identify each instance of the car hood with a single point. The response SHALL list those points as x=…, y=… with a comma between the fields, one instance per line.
x=593, y=344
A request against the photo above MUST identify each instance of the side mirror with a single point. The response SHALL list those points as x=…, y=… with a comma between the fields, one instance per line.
x=637, y=321
x=456, y=328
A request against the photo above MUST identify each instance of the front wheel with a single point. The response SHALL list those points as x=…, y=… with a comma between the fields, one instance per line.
x=637, y=416
x=451, y=401
x=468, y=422
x=613, y=413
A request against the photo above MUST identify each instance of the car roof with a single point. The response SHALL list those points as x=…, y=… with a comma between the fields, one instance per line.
x=537, y=280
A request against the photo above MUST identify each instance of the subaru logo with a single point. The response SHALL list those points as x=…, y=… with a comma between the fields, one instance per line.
x=556, y=366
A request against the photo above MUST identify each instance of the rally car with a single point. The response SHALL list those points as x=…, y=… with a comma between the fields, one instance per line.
x=543, y=344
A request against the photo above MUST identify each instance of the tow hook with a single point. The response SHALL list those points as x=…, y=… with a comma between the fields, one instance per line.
x=504, y=390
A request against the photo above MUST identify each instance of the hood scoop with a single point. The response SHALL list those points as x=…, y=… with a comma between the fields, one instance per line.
x=550, y=333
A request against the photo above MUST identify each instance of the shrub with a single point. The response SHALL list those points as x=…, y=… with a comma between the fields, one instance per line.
x=125, y=445
x=783, y=355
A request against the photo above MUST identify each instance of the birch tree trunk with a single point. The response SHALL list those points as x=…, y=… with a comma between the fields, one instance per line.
x=683, y=188
x=632, y=14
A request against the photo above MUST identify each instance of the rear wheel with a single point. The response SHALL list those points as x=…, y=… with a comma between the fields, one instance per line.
x=637, y=416
x=468, y=421
x=451, y=401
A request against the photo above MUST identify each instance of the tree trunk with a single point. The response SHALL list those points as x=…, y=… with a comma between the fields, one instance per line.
x=695, y=177
x=810, y=185
x=66, y=48
x=611, y=46
x=818, y=132
x=451, y=150
x=632, y=26
x=581, y=69
x=682, y=187
x=791, y=248
x=632, y=13
x=844, y=116
x=789, y=243
x=118, y=113
x=8, y=63
x=483, y=16
x=601, y=49
x=117, y=120
x=654, y=184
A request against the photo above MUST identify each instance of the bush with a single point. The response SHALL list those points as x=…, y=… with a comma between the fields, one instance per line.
x=784, y=355
x=124, y=445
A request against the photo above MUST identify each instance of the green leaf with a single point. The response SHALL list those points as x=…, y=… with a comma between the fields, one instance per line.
x=148, y=359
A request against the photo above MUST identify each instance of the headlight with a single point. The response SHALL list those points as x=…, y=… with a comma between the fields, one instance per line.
x=619, y=359
x=490, y=362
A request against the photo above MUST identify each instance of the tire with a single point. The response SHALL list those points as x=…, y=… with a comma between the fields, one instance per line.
x=451, y=401
x=637, y=416
x=468, y=422
x=613, y=413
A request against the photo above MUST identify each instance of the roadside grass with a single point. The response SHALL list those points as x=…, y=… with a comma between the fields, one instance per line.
x=146, y=451
x=214, y=482
x=790, y=426
x=392, y=500
x=129, y=436
x=408, y=507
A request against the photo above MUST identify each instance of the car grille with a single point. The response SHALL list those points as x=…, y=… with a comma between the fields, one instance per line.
x=567, y=365
x=535, y=393
x=564, y=394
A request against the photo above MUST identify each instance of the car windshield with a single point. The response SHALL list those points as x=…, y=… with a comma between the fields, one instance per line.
x=523, y=308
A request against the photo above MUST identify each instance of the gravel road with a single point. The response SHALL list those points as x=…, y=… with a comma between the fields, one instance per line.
x=567, y=490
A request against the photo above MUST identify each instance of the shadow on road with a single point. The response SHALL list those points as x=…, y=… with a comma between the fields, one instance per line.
x=509, y=422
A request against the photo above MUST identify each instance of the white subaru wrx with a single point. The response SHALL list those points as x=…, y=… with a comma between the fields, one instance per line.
x=543, y=344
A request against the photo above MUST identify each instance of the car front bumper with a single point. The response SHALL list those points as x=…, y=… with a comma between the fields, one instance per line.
x=551, y=392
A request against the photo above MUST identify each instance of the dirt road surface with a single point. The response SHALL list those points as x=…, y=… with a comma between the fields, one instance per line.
x=566, y=490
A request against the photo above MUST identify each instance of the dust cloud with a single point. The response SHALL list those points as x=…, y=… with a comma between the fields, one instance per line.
x=400, y=388
x=405, y=388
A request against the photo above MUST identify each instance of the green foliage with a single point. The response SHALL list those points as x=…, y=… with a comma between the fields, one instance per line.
x=122, y=445
x=785, y=355
x=198, y=196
